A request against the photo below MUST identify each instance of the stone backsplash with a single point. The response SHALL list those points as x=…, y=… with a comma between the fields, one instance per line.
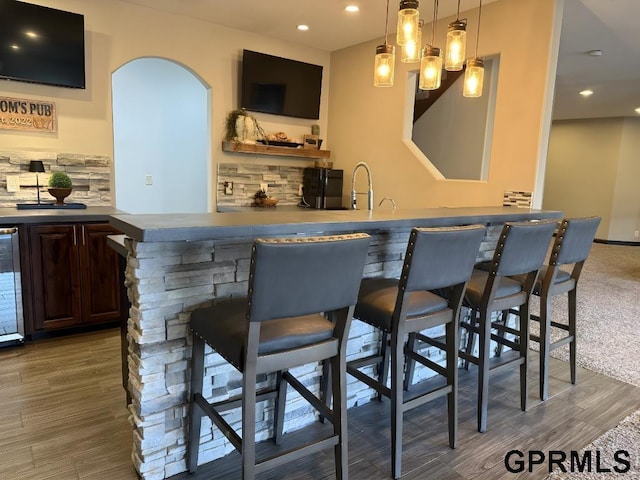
x=283, y=183
x=90, y=174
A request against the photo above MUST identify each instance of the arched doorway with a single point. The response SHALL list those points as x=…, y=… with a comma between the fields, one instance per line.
x=161, y=135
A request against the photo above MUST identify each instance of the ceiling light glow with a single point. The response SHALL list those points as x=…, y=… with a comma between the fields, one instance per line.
x=352, y=8
x=586, y=93
x=15, y=47
x=31, y=34
x=303, y=28
x=638, y=110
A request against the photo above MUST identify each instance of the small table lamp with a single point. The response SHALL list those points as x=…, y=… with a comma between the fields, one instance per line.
x=38, y=167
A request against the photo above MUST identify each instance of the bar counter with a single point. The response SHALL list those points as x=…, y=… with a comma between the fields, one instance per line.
x=176, y=263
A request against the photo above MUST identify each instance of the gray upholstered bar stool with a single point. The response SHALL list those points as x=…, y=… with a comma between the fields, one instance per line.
x=436, y=258
x=521, y=250
x=278, y=326
x=571, y=246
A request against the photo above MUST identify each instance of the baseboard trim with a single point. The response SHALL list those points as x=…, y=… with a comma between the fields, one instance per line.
x=616, y=242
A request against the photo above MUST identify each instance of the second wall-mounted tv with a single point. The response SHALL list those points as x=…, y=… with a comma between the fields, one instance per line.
x=280, y=86
x=41, y=45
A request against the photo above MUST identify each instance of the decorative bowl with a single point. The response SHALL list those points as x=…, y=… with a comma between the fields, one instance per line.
x=266, y=202
x=60, y=194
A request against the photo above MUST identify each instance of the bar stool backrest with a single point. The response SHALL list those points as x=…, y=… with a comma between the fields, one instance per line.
x=574, y=240
x=299, y=276
x=522, y=247
x=443, y=257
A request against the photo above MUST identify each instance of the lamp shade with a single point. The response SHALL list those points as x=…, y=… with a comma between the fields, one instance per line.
x=430, y=69
x=36, y=166
x=383, y=71
x=411, y=50
x=473, y=78
x=456, y=46
x=408, y=18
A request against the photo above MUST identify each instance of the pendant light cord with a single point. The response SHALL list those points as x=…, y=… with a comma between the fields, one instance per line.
x=478, y=33
x=435, y=19
x=458, y=13
x=386, y=24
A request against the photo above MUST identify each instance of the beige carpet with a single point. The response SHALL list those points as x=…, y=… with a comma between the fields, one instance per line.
x=609, y=342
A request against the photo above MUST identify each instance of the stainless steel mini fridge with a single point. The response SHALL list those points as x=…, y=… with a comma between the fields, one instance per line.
x=11, y=317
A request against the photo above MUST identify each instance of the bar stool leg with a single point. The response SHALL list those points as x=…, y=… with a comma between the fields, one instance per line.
x=249, y=422
x=483, y=369
x=411, y=363
x=471, y=335
x=397, y=363
x=195, y=413
x=524, y=354
x=572, y=295
x=339, y=388
x=281, y=401
x=452, y=380
x=545, y=343
x=383, y=366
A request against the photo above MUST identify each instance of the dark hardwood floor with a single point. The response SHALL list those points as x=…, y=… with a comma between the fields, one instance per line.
x=63, y=417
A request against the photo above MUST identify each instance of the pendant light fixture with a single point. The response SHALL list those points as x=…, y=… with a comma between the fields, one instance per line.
x=431, y=63
x=455, y=49
x=385, y=59
x=412, y=50
x=474, y=74
x=408, y=18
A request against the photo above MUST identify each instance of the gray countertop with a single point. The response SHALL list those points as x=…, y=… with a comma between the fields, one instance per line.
x=193, y=227
x=13, y=216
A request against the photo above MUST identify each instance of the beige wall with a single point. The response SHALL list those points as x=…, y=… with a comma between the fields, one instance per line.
x=368, y=124
x=118, y=32
x=592, y=169
x=365, y=123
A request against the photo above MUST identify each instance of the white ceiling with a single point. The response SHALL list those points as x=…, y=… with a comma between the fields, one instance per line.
x=607, y=25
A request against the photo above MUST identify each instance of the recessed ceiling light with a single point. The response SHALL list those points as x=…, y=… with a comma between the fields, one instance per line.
x=303, y=27
x=586, y=93
x=31, y=34
x=638, y=110
x=352, y=8
x=594, y=53
x=15, y=47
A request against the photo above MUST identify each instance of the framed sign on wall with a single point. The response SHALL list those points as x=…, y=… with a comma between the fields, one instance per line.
x=26, y=114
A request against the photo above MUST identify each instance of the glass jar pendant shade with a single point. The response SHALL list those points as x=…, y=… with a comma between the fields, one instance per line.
x=473, y=78
x=411, y=51
x=383, y=69
x=456, y=46
x=430, y=68
x=408, y=19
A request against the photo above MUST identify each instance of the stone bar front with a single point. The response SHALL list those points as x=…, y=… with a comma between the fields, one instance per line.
x=176, y=263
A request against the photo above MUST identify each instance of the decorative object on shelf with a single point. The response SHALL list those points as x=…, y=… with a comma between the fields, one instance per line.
x=243, y=127
x=60, y=186
x=38, y=167
x=261, y=199
x=315, y=129
x=312, y=141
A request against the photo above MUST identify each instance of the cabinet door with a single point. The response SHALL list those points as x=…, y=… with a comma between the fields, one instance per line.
x=99, y=271
x=55, y=279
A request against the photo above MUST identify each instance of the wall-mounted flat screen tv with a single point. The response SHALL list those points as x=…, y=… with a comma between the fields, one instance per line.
x=41, y=45
x=280, y=86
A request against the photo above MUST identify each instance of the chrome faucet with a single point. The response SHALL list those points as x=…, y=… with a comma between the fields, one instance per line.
x=353, y=186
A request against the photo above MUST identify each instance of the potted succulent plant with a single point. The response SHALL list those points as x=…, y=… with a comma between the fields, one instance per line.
x=60, y=186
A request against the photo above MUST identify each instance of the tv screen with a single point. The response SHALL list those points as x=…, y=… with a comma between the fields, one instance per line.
x=41, y=45
x=280, y=86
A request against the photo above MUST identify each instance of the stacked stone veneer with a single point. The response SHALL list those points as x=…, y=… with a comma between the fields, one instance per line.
x=90, y=174
x=283, y=182
x=166, y=281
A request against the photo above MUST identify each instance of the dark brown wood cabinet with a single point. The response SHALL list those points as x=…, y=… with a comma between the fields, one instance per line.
x=72, y=276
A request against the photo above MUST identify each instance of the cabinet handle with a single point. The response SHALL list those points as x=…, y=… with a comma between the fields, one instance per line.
x=83, y=240
x=75, y=239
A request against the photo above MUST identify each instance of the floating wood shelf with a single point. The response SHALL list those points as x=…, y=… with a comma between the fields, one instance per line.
x=260, y=149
